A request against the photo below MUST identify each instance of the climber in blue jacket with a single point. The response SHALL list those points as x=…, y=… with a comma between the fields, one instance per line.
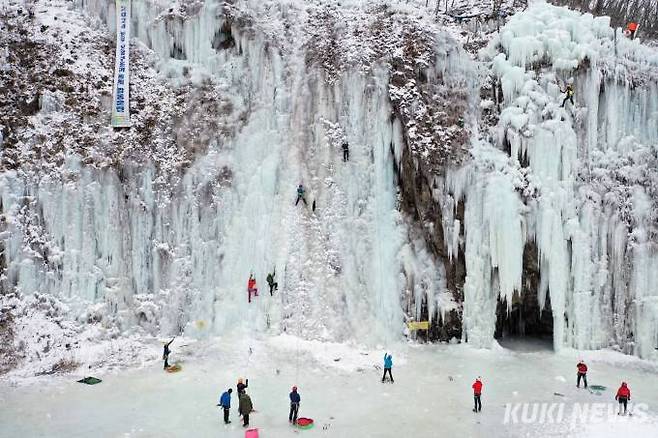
x=225, y=403
x=388, y=364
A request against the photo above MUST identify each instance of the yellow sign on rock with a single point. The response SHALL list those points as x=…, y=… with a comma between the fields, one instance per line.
x=418, y=325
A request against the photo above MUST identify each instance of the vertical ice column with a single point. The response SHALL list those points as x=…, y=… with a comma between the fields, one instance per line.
x=495, y=239
x=643, y=287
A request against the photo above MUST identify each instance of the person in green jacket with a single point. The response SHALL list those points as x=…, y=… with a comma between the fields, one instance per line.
x=273, y=284
x=246, y=407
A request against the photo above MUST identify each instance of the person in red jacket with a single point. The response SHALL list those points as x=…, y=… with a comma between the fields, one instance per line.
x=623, y=396
x=582, y=373
x=251, y=287
x=477, y=392
x=631, y=28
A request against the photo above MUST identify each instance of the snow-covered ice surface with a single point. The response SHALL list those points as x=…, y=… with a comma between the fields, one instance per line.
x=341, y=390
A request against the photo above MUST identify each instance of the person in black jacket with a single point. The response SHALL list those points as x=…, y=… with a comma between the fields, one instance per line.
x=242, y=384
x=165, y=353
x=294, y=405
x=241, y=387
x=346, y=151
x=569, y=95
x=271, y=281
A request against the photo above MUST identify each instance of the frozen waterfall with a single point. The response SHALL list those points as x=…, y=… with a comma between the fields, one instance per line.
x=567, y=193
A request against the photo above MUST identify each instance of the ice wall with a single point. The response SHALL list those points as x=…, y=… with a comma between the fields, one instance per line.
x=122, y=246
x=578, y=181
x=125, y=247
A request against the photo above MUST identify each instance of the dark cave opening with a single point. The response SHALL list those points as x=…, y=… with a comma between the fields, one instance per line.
x=223, y=39
x=524, y=322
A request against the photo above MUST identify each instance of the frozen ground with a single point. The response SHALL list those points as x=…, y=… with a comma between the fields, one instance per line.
x=431, y=396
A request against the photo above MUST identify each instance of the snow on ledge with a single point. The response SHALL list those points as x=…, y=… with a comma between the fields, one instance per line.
x=548, y=34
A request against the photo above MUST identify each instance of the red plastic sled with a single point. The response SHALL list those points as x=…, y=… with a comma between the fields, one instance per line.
x=304, y=423
x=251, y=433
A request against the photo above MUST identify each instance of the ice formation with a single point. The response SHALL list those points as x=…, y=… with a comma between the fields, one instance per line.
x=173, y=254
x=579, y=182
x=164, y=249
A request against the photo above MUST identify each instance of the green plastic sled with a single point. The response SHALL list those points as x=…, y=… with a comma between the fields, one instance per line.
x=90, y=380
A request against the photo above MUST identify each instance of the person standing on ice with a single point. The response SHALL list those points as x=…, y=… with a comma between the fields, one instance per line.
x=623, y=396
x=246, y=407
x=300, y=195
x=241, y=386
x=569, y=91
x=388, y=364
x=477, y=393
x=225, y=403
x=270, y=281
x=251, y=287
x=582, y=373
x=346, y=151
x=165, y=353
x=295, y=399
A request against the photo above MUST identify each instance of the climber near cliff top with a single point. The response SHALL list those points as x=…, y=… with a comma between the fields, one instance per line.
x=569, y=91
x=631, y=29
x=251, y=287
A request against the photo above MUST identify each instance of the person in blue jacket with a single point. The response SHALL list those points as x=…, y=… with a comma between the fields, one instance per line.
x=225, y=403
x=294, y=405
x=388, y=364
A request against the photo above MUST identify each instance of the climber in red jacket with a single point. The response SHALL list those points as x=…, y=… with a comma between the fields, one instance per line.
x=251, y=287
x=623, y=396
x=477, y=392
x=582, y=373
x=631, y=28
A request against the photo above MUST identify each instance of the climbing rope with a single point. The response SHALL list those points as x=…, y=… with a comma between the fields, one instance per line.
x=299, y=331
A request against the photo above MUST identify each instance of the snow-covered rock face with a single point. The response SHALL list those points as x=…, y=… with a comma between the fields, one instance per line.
x=165, y=239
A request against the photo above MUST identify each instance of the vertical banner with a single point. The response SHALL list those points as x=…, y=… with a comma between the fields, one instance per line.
x=120, y=102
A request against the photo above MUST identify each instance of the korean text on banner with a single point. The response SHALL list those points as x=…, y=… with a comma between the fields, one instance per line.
x=120, y=103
